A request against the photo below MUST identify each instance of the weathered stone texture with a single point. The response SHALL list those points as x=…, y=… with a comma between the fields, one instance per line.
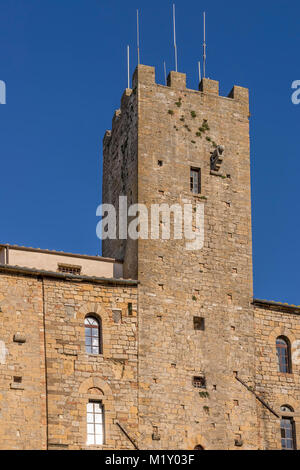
x=276, y=388
x=152, y=352
x=48, y=409
x=120, y=175
x=22, y=405
x=177, y=284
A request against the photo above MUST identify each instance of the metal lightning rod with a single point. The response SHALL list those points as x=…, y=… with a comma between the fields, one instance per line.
x=204, y=45
x=128, y=67
x=174, y=27
x=199, y=71
x=138, y=35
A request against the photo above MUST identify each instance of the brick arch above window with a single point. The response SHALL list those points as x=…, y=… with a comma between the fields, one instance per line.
x=95, y=389
x=195, y=441
x=95, y=392
x=91, y=308
x=288, y=400
x=281, y=331
x=95, y=383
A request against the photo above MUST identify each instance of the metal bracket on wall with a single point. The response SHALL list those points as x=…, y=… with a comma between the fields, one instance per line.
x=261, y=400
x=127, y=435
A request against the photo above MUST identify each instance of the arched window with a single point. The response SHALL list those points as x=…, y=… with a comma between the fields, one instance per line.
x=286, y=409
x=287, y=429
x=283, y=350
x=199, y=447
x=93, y=335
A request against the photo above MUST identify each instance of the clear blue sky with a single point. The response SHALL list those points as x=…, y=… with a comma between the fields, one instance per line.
x=64, y=63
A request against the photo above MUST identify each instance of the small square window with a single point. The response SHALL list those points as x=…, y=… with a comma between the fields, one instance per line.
x=199, y=323
x=69, y=269
x=199, y=382
x=195, y=180
x=160, y=162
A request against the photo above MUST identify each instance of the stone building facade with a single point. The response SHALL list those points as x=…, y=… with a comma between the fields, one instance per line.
x=47, y=378
x=188, y=358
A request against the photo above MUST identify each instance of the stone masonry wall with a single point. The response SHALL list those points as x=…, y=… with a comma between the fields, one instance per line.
x=214, y=283
x=22, y=405
x=177, y=285
x=120, y=176
x=27, y=419
x=73, y=374
x=276, y=388
x=152, y=352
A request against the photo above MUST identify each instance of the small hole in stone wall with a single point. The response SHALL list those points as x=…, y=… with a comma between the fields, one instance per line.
x=17, y=380
x=160, y=163
x=130, y=308
x=199, y=323
x=155, y=434
x=199, y=382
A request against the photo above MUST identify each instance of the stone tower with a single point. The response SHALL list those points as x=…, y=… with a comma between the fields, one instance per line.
x=196, y=319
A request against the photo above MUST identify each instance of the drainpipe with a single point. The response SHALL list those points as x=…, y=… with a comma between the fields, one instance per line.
x=127, y=435
x=261, y=400
x=45, y=360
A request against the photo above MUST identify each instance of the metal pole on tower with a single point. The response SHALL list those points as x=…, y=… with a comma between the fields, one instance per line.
x=128, y=67
x=199, y=71
x=174, y=28
x=204, y=45
x=138, y=35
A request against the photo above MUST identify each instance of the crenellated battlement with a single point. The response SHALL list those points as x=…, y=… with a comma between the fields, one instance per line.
x=144, y=75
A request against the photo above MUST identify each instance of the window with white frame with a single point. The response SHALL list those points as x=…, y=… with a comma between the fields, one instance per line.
x=93, y=335
x=95, y=423
x=195, y=180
